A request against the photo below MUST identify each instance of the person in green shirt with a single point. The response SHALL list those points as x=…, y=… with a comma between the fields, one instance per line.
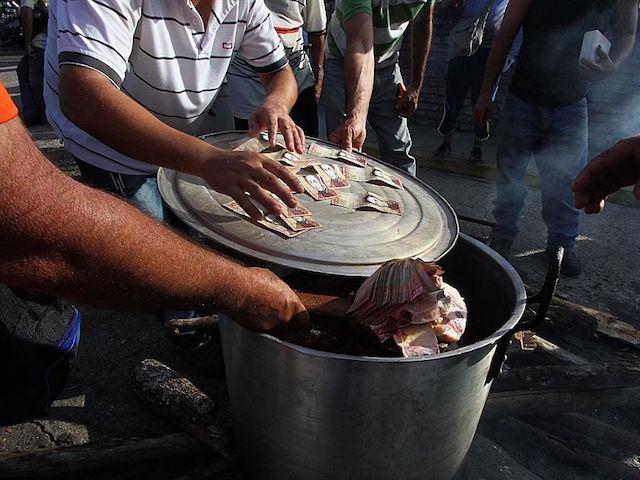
x=363, y=80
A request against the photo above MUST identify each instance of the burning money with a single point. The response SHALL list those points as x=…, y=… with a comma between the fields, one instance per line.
x=407, y=302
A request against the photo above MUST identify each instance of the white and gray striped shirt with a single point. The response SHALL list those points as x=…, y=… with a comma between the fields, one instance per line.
x=157, y=52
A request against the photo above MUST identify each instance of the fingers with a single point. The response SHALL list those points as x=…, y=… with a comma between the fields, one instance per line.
x=281, y=181
x=243, y=200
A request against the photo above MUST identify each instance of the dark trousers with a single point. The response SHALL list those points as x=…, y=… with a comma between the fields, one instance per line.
x=30, y=73
x=304, y=113
x=464, y=74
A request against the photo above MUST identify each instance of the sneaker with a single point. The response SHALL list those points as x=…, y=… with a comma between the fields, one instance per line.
x=476, y=156
x=502, y=246
x=571, y=265
x=443, y=151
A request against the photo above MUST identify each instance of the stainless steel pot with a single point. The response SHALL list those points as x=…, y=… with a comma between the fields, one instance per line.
x=306, y=414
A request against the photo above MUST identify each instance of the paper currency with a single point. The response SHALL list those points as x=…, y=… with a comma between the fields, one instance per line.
x=406, y=304
x=287, y=211
x=371, y=175
x=315, y=187
x=269, y=221
x=335, y=153
x=332, y=175
x=301, y=223
x=247, y=144
x=367, y=200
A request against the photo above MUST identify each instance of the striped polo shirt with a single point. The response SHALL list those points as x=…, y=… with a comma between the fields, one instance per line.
x=390, y=21
x=290, y=17
x=160, y=54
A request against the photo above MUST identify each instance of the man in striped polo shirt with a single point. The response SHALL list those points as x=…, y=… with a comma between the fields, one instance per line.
x=127, y=82
x=363, y=79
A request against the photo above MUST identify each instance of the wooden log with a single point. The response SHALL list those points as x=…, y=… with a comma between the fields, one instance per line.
x=209, y=322
x=175, y=398
x=65, y=461
x=549, y=402
x=514, y=433
x=558, y=352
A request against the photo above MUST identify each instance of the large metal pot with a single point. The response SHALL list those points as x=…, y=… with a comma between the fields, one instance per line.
x=306, y=414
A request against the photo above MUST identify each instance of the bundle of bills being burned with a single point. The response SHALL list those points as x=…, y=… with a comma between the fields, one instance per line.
x=291, y=223
x=406, y=301
x=367, y=200
x=371, y=175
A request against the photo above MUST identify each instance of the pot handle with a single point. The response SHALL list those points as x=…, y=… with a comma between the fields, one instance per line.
x=543, y=298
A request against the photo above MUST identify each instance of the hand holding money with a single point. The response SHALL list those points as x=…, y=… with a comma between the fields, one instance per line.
x=274, y=117
x=236, y=172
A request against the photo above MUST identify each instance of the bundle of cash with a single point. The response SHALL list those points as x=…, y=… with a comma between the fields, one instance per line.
x=332, y=176
x=371, y=175
x=407, y=303
x=367, y=200
x=315, y=186
x=336, y=153
x=287, y=224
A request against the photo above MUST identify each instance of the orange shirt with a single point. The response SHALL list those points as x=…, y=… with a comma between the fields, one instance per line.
x=8, y=109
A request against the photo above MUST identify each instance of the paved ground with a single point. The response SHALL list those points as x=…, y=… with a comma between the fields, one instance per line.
x=98, y=403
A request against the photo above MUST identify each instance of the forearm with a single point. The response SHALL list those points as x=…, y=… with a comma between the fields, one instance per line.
x=624, y=31
x=64, y=238
x=87, y=98
x=421, y=34
x=495, y=62
x=280, y=87
x=317, y=52
x=358, y=67
x=26, y=20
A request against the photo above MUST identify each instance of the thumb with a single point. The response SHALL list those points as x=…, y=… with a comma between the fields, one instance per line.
x=347, y=141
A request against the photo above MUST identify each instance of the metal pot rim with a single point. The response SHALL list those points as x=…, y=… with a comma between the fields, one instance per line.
x=505, y=329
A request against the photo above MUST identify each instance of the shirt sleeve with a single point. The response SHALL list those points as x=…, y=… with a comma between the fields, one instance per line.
x=8, y=109
x=351, y=8
x=98, y=34
x=261, y=46
x=315, y=16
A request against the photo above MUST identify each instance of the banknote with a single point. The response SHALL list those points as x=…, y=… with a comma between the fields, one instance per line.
x=336, y=153
x=301, y=223
x=367, y=200
x=247, y=144
x=287, y=211
x=315, y=187
x=269, y=221
x=332, y=175
x=371, y=175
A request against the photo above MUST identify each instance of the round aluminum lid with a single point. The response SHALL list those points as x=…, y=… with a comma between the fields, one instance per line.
x=350, y=243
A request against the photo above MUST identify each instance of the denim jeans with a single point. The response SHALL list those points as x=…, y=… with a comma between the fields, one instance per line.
x=557, y=139
x=30, y=74
x=394, y=139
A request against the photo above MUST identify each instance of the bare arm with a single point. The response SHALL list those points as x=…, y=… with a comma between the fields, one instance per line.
x=87, y=98
x=26, y=20
x=63, y=238
x=421, y=33
x=513, y=19
x=624, y=25
x=358, y=81
x=273, y=113
x=317, y=59
x=611, y=170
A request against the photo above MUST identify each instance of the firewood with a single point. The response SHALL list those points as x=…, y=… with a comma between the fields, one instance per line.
x=175, y=398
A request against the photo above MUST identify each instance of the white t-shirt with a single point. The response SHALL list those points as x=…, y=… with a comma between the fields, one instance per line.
x=157, y=52
x=290, y=17
x=39, y=40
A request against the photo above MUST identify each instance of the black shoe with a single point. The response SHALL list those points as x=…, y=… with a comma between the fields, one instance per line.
x=502, y=246
x=571, y=265
x=476, y=156
x=443, y=151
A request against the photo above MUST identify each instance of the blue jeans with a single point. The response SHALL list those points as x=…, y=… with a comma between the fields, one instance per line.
x=557, y=139
x=394, y=140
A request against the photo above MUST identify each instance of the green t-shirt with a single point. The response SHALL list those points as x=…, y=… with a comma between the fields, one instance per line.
x=389, y=24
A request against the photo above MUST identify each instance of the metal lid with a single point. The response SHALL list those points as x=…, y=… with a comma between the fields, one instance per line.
x=350, y=243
